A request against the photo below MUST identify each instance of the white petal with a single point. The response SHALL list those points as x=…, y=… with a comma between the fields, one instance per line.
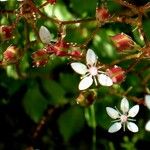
x=112, y=113
x=91, y=57
x=85, y=83
x=132, y=127
x=44, y=35
x=79, y=68
x=124, y=106
x=147, y=101
x=105, y=80
x=133, y=111
x=147, y=126
x=115, y=127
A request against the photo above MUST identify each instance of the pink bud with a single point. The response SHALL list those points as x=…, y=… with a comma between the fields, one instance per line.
x=122, y=41
x=62, y=44
x=116, y=73
x=40, y=58
x=11, y=55
x=102, y=14
x=51, y=49
x=5, y=32
x=56, y=49
x=51, y=1
x=76, y=54
x=60, y=53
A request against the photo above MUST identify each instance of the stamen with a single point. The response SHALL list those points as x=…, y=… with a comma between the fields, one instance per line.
x=129, y=119
x=95, y=81
x=118, y=111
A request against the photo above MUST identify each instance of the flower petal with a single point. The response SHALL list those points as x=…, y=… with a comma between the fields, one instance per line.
x=147, y=101
x=44, y=35
x=132, y=127
x=147, y=126
x=85, y=83
x=79, y=68
x=124, y=106
x=112, y=113
x=105, y=80
x=133, y=111
x=115, y=127
x=91, y=57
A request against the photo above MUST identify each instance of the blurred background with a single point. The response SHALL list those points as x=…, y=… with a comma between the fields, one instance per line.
x=38, y=105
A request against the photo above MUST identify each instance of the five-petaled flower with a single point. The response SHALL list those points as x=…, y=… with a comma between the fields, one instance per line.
x=90, y=72
x=124, y=118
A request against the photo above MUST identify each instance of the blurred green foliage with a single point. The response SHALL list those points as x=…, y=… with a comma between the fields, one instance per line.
x=50, y=92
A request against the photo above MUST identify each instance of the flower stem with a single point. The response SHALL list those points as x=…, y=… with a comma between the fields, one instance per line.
x=93, y=123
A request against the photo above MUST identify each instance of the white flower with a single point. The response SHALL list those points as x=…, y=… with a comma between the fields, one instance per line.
x=90, y=72
x=147, y=103
x=44, y=35
x=124, y=118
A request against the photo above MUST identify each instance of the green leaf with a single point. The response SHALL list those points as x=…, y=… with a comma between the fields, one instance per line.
x=81, y=7
x=69, y=82
x=71, y=122
x=55, y=92
x=34, y=103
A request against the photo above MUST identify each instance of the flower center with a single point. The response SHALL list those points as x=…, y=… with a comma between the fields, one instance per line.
x=93, y=71
x=123, y=118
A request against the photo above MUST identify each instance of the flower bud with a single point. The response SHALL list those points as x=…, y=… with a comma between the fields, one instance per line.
x=75, y=54
x=86, y=98
x=102, y=14
x=11, y=55
x=5, y=32
x=122, y=41
x=51, y=1
x=40, y=58
x=116, y=73
x=62, y=44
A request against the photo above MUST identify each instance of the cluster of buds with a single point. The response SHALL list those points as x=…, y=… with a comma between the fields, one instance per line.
x=5, y=32
x=122, y=42
x=59, y=48
x=116, y=73
x=11, y=55
x=40, y=58
x=102, y=14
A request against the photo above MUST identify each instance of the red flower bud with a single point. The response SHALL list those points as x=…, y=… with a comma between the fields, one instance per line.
x=116, y=73
x=5, y=32
x=102, y=14
x=51, y=1
x=60, y=53
x=62, y=44
x=122, y=41
x=56, y=50
x=11, y=55
x=51, y=49
x=76, y=54
x=40, y=58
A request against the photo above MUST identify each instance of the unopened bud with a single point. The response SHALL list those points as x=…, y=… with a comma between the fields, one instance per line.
x=116, y=73
x=62, y=44
x=11, y=55
x=122, y=41
x=5, y=32
x=40, y=58
x=86, y=98
x=75, y=54
x=102, y=14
